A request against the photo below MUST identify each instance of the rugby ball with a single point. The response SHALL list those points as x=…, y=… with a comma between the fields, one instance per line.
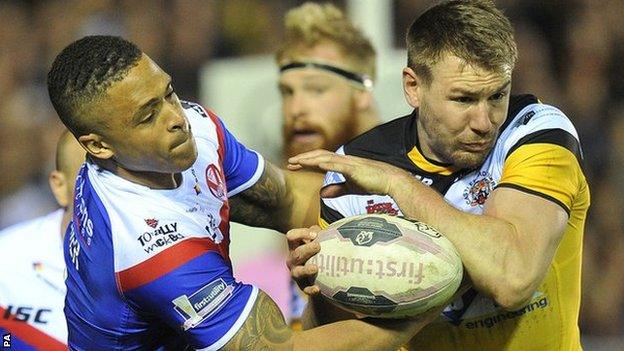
x=386, y=267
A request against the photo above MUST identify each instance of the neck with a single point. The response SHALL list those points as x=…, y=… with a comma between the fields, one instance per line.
x=153, y=180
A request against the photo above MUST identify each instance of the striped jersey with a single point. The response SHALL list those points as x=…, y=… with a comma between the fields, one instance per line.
x=149, y=269
x=32, y=291
x=537, y=152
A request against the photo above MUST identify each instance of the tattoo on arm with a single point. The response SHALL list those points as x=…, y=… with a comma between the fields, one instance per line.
x=266, y=204
x=264, y=329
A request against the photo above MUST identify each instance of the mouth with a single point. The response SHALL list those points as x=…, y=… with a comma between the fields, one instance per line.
x=182, y=140
x=305, y=136
x=479, y=146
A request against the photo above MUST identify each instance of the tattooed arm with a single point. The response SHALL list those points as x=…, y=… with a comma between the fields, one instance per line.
x=279, y=200
x=265, y=329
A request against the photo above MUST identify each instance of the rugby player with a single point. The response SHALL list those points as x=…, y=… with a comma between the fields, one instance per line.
x=147, y=251
x=499, y=175
x=32, y=291
x=327, y=70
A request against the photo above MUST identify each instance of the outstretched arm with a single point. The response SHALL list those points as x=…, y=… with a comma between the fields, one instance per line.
x=265, y=329
x=279, y=200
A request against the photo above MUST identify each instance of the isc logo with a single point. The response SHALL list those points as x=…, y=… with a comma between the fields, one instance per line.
x=25, y=314
x=6, y=340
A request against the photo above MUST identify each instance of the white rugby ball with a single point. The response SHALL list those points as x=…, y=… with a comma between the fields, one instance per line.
x=386, y=267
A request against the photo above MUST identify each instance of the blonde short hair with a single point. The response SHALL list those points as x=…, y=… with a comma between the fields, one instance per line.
x=473, y=30
x=311, y=24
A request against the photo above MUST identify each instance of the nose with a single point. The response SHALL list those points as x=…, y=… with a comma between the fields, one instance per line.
x=176, y=121
x=480, y=121
x=296, y=107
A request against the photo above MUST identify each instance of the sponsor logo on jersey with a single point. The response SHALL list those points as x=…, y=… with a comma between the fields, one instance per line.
x=73, y=246
x=473, y=310
x=382, y=207
x=479, y=189
x=163, y=236
x=195, y=107
x=202, y=303
x=215, y=183
x=27, y=314
x=527, y=117
x=82, y=219
x=152, y=222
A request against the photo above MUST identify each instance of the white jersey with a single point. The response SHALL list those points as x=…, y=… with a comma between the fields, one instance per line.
x=32, y=291
x=150, y=268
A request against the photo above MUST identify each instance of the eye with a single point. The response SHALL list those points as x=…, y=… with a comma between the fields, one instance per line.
x=149, y=117
x=285, y=91
x=497, y=96
x=462, y=99
x=170, y=94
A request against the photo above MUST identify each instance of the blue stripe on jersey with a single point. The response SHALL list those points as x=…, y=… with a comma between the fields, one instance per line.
x=240, y=164
x=202, y=294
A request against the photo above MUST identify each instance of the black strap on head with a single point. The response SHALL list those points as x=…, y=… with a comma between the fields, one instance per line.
x=362, y=79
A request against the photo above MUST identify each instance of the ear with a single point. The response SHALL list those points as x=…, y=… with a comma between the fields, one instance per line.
x=363, y=100
x=58, y=185
x=95, y=146
x=412, y=87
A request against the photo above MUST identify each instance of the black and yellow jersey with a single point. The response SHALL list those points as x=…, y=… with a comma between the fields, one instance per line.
x=537, y=152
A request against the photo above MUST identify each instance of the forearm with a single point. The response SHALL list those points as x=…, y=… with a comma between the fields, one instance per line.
x=490, y=248
x=280, y=200
x=357, y=334
x=321, y=312
x=267, y=204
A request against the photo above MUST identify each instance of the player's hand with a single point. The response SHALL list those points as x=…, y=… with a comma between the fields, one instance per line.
x=363, y=176
x=301, y=246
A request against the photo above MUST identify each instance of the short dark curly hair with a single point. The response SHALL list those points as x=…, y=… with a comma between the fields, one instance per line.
x=83, y=71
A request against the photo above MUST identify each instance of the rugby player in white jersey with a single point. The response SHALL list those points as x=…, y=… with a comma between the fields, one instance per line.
x=147, y=250
x=32, y=291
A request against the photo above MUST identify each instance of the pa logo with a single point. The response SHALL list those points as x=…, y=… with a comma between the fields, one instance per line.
x=364, y=237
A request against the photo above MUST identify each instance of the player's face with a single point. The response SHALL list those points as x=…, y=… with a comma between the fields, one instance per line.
x=460, y=111
x=319, y=108
x=144, y=122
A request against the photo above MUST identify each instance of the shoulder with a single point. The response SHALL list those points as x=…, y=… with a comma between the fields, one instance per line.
x=536, y=122
x=31, y=231
x=386, y=139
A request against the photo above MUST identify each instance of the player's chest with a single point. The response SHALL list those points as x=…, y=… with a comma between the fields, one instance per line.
x=466, y=191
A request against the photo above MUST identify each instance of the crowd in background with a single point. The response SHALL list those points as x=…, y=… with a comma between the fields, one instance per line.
x=569, y=57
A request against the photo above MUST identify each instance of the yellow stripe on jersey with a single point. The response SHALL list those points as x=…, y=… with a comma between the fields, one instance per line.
x=546, y=170
x=421, y=162
x=322, y=223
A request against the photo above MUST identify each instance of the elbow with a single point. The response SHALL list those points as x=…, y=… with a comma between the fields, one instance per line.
x=514, y=293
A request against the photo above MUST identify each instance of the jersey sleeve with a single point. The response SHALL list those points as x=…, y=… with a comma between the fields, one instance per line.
x=199, y=298
x=546, y=163
x=242, y=166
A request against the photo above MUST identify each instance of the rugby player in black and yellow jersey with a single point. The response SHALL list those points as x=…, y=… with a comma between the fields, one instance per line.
x=499, y=175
